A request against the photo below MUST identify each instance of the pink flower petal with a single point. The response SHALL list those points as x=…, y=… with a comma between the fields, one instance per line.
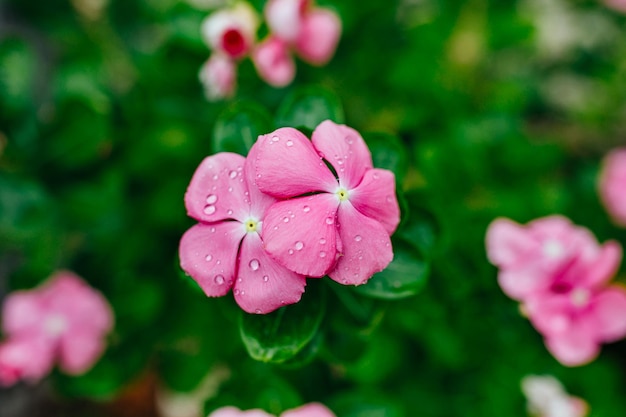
x=301, y=234
x=208, y=254
x=284, y=18
x=612, y=179
x=551, y=314
x=218, y=76
x=375, y=197
x=79, y=351
x=217, y=189
x=309, y=410
x=263, y=285
x=235, y=412
x=573, y=348
x=506, y=242
x=259, y=201
x=289, y=166
x=274, y=62
x=551, y=226
x=318, y=37
x=25, y=359
x=22, y=313
x=346, y=151
x=366, y=247
x=604, y=265
x=519, y=283
x=609, y=313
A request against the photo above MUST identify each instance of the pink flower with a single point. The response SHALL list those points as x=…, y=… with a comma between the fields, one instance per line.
x=225, y=250
x=218, y=76
x=612, y=183
x=560, y=274
x=64, y=320
x=547, y=398
x=326, y=225
x=274, y=62
x=619, y=5
x=231, y=31
x=313, y=32
x=308, y=410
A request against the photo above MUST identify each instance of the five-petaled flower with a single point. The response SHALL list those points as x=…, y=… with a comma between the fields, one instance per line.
x=231, y=31
x=560, y=274
x=64, y=319
x=612, y=185
x=337, y=223
x=307, y=410
x=225, y=249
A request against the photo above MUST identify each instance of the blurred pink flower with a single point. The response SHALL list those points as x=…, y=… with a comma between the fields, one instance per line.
x=63, y=320
x=273, y=62
x=312, y=32
x=231, y=31
x=547, y=398
x=619, y=5
x=225, y=249
x=308, y=410
x=612, y=183
x=219, y=77
x=343, y=228
x=560, y=274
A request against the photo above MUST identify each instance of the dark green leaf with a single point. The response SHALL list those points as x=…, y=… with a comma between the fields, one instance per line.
x=308, y=107
x=239, y=126
x=388, y=152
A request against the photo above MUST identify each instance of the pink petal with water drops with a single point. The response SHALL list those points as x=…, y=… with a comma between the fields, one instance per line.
x=573, y=348
x=345, y=149
x=301, y=234
x=259, y=201
x=375, y=197
x=319, y=35
x=289, y=166
x=309, y=410
x=22, y=313
x=208, y=254
x=262, y=284
x=27, y=359
x=274, y=62
x=217, y=189
x=79, y=350
x=507, y=242
x=366, y=247
x=609, y=313
x=235, y=412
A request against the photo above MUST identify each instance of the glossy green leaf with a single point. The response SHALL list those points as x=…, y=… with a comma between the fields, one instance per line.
x=405, y=276
x=239, y=126
x=308, y=107
x=388, y=152
x=281, y=335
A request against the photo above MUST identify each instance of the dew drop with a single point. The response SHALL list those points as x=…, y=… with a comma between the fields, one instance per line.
x=209, y=210
x=375, y=175
x=389, y=199
x=306, y=209
x=230, y=189
x=219, y=279
x=215, y=177
x=299, y=245
x=229, y=212
x=242, y=292
x=265, y=278
x=286, y=219
x=322, y=241
x=212, y=229
x=330, y=220
x=275, y=227
x=322, y=254
x=211, y=199
x=289, y=143
x=358, y=238
x=349, y=140
x=275, y=139
x=290, y=251
x=340, y=161
x=236, y=292
x=208, y=258
x=257, y=311
x=218, y=262
x=254, y=264
x=233, y=174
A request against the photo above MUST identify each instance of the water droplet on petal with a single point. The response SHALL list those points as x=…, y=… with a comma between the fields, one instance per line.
x=290, y=251
x=208, y=258
x=275, y=227
x=215, y=177
x=236, y=292
x=275, y=139
x=233, y=174
x=230, y=189
x=306, y=209
x=212, y=230
x=219, y=279
x=254, y=264
x=266, y=278
x=257, y=311
x=389, y=199
x=349, y=140
x=242, y=292
x=289, y=143
x=322, y=241
x=375, y=175
x=218, y=262
x=322, y=254
x=299, y=245
x=209, y=210
x=330, y=220
x=211, y=199
x=229, y=212
x=286, y=219
x=358, y=238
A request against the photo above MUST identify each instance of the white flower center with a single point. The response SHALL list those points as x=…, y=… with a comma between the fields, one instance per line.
x=580, y=297
x=553, y=249
x=55, y=325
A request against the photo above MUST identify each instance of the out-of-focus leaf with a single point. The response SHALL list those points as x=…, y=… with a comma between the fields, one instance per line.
x=308, y=107
x=239, y=126
x=388, y=152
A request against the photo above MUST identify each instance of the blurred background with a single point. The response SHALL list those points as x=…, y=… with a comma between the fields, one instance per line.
x=482, y=108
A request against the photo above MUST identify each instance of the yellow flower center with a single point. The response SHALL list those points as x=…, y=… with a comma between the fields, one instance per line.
x=251, y=225
x=342, y=194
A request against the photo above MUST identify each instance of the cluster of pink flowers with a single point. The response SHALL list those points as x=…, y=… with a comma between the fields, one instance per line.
x=295, y=26
x=612, y=184
x=268, y=221
x=308, y=410
x=560, y=274
x=64, y=320
x=547, y=398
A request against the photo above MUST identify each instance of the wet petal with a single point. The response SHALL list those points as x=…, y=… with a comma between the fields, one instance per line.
x=289, y=166
x=366, y=247
x=319, y=35
x=346, y=151
x=573, y=348
x=309, y=410
x=375, y=197
x=22, y=313
x=301, y=234
x=274, y=62
x=263, y=285
x=217, y=189
x=507, y=242
x=79, y=351
x=208, y=254
x=259, y=201
x=609, y=313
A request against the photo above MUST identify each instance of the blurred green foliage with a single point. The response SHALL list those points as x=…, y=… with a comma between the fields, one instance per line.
x=481, y=109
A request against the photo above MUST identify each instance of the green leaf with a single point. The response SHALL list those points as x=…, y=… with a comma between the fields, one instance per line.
x=404, y=277
x=281, y=335
x=308, y=107
x=420, y=228
x=388, y=152
x=239, y=126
